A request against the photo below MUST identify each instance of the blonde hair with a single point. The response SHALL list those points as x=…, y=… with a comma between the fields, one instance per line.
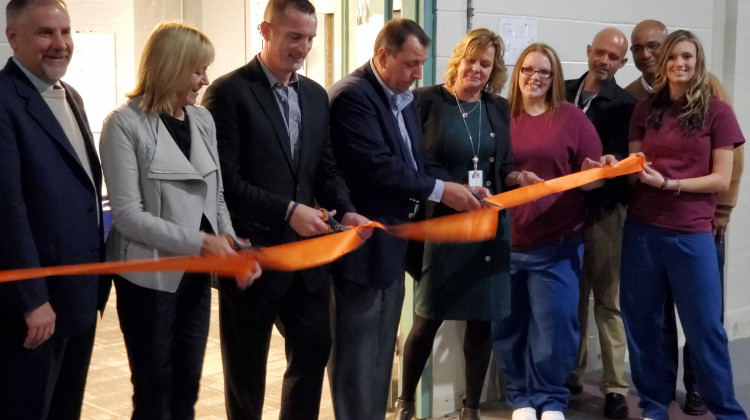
x=171, y=55
x=556, y=93
x=698, y=95
x=473, y=45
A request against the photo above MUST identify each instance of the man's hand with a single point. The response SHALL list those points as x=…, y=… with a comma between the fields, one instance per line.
x=307, y=221
x=41, y=323
x=459, y=197
x=242, y=285
x=356, y=219
x=719, y=224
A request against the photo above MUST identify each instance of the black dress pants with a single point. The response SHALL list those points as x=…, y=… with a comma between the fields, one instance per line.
x=165, y=336
x=246, y=319
x=44, y=383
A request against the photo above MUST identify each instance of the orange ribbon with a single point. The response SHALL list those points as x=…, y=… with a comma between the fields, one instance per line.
x=472, y=226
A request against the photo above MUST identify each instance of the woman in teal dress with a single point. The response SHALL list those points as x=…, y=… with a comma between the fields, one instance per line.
x=467, y=129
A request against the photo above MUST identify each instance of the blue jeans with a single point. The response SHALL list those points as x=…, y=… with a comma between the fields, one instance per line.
x=537, y=343
x=655, y=262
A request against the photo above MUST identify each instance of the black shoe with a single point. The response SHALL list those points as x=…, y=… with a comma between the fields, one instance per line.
x=404, y=410
x=615, y=406
x=694, y=405
x=574, y=389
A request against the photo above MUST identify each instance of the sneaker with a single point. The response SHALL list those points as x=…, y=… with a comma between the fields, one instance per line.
x=694, y=405
x=525, y=413
x=553, y=415
x=615, y=406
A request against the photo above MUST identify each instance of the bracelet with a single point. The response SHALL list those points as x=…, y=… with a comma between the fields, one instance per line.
x=664, y=184
x=679, y=187
x=291, y=211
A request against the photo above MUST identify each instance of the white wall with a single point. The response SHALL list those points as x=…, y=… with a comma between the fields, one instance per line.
x=737, y=315
x=5, y=50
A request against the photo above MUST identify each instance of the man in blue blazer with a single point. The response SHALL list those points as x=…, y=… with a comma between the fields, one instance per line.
x=50, y=182
x=377, y=141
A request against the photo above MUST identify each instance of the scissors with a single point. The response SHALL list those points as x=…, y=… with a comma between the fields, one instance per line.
x=484, y=201
x=332, y=223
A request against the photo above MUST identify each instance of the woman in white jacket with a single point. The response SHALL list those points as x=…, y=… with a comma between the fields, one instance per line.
x=160, y=162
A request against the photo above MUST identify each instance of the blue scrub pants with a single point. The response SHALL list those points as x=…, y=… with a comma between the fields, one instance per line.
x=537, y=343
x=654, y=262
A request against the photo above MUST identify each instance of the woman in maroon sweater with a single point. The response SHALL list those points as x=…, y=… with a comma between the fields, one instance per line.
x=537, y=343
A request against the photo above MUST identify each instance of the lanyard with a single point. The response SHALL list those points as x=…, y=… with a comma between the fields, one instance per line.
x=578, y=97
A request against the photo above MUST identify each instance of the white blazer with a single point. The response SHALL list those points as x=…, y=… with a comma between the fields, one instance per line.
x=157, y=196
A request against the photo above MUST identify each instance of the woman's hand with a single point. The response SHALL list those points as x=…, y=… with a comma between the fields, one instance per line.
x=522, y=178
x=589, y=163
x=651, y=176
x=216, y=245
x=610, y=160
x=528, y=178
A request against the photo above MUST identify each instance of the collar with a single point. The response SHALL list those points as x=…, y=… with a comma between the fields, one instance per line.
x=39, y=84
x=272, y=80
x=397, y=101
x=646, y=86
x=608, y=90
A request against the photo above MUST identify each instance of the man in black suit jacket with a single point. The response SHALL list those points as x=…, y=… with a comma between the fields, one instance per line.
x=609, y=107
x=50, y=182
x=377, y=140
x=277, y=165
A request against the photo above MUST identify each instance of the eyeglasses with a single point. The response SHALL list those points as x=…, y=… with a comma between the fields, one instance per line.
x=543, y=74
x=652, y=47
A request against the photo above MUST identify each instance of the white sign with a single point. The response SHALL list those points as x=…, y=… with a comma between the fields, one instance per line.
x=517, y=33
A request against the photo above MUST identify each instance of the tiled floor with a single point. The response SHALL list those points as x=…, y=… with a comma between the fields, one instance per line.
x=108, y=391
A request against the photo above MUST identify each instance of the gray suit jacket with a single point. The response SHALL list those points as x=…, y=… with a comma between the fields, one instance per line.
x=158, y=197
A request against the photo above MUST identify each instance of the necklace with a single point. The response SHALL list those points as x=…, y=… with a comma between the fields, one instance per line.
x=464, y=115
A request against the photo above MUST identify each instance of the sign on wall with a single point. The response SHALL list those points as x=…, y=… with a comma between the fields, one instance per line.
x=517, y=33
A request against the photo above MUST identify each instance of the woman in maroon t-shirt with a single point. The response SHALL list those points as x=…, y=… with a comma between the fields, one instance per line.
x=687, y=137
x=537, y=343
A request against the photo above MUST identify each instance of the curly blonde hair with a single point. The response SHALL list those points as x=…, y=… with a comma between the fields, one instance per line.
x=473, y=45
x=698, y=95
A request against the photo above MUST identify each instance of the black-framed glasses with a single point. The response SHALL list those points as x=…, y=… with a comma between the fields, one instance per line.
x=529, y=71
x=652, y=47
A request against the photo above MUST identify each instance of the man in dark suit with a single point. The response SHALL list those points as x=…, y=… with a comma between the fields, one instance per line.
x=609, y=108
x=377, y=140
x=50, y=182
x=276, y=161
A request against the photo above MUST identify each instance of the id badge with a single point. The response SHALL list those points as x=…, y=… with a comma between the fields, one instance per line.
x=476, y=179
